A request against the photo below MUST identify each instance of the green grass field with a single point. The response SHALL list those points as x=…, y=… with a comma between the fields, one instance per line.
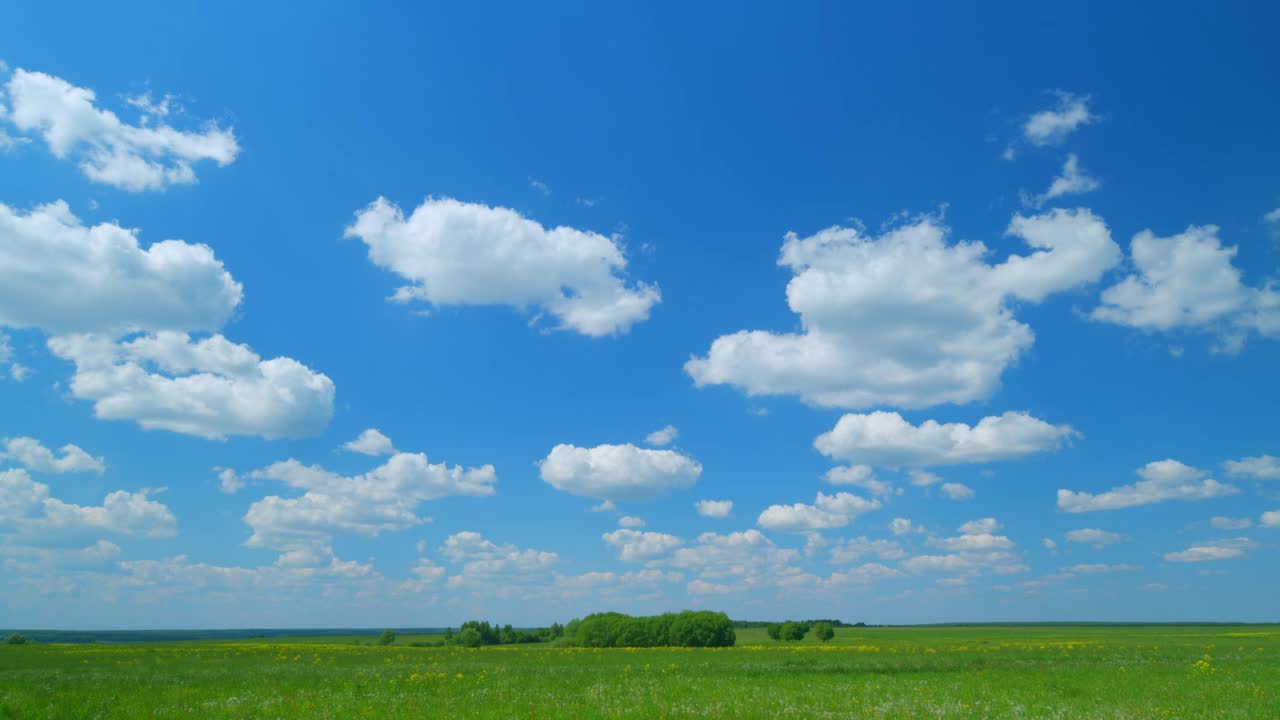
x=939, y=672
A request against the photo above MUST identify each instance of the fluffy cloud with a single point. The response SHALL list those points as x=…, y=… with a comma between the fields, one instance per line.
x=1095, y=537
x=1187, y=281
x=630, y=521
x=906, y=319
x=1072, y=181
x=1226, y=523
x=209, y=387
x=1162, y=481
x=370, y=442
x=976, y=550
x=886, y=439
x=900, y=526
x=36, y=457
x=1093, y=568
x=714, y=508
x=638, y=546
x=457, y=253
x=957, y=491
x=861, y=476
x=828, y=511
x=64, y=277
x=1216, y=550
x=229, y=480
x=748, y=559
x=151, y=155
x=618, y=472
x=1262, y=467
x=1270, y=519
x=851, y=550
x=383, y=499
x=424, y=575
x=27, y=509
x=665, y=436
x=502, y=570
x=1051, y=127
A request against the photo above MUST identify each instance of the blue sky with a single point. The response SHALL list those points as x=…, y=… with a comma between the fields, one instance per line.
x=968, y=316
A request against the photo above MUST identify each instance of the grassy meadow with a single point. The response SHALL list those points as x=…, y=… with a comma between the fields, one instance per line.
x=1064, y=671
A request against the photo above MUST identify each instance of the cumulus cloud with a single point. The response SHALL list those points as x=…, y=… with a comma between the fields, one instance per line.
x=209, y=387
x=957, y=491
x=1072, y=181
x=151, y=155
x=736, y=561
x=618, y=472
x=639, y=546
x=900, y=526
x=923, y=478
x=665, y=436
x=1270, y=519
x=1262, y=467
x=27, y=508
x=714, y=508
x=64, y=277
x=383, y=499
x=36, y=457
x=457, y=253
x=852, y=550
x=886, y=439
x=861, y=476
x=1095, y=537
x=1215, y=550
x=229, y=481
x=1188, y=281
x=976, y=550
x=1051, y=127
x=370, y=442
x=828, y=511
x=906, y=319
x=630, y=521
x=1162, y=481
x=501, y=570
x=1225, y=523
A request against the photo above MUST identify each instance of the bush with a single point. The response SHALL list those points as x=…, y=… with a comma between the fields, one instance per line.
x=388, y=637
x=775, y=631
x=824, y=631
x=794, y=631
x=16, y=639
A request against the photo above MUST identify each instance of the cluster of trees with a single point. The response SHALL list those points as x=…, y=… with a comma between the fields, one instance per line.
x=16, y=639
x=475, y=633
x=767, y=623
x=795, y=631
x=684, y=629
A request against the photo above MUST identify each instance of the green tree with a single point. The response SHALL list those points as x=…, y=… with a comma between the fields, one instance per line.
x=470, y=637
x=388, y=637
x=824, y=631
x=16, y=639
x=794, y=631
x=774, y=630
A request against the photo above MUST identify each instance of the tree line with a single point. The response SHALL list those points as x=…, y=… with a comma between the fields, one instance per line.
x=701, y=628
x=795, y=631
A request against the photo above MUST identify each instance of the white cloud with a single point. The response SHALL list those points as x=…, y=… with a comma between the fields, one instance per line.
x=19, y=372
x=618, y=472
x=957, y=491
x=497, y=570
x=383, y=499
x=148, y=156
x=1216, y=550
x=34, y=456
x=457, y=253
x=1226, y=523
x=1187, y=281
x=906, y=319
x=425, y=575
x=630, y=521
x=1270, y=519
x=639, y=546
x=886, y=439
x=64, y=277
x=1095, y=537
x=1049, y=544
x=976, y=550
x=606, y=506
x=665, y=436
x=828, y=511
x=851, y=550
x=1162, y=481
x=27, y=508
x=1072, y=181
x=370, y=442
x=748, y=557
x=1092, y=568
x=861, y=476
x=900, y=526
x=1051, y=127
x=229, y=481
x=1262, y=467
x=209, y=387
x=714, y=508
x=923, y=478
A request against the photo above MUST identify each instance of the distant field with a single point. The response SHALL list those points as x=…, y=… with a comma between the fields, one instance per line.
x=1093, y=672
